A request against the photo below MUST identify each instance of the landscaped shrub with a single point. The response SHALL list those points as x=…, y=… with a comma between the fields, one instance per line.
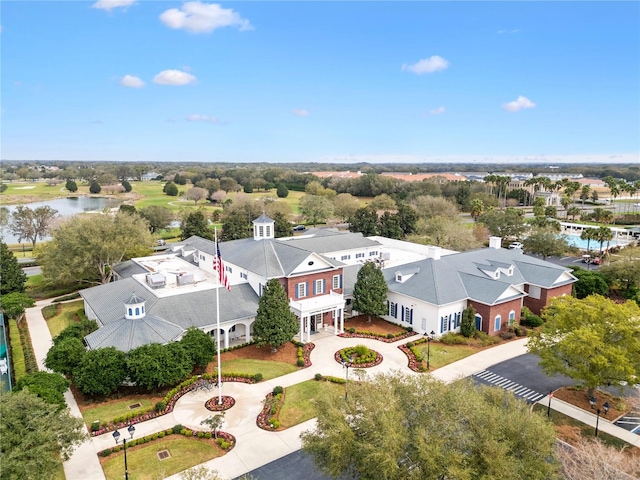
x=257, y=377
x=160, y=406
x=485, y=339
x=161, y=434
x=29, y=357
x=223, y=444
x=351, y=330
x=17, y=354
x=318, y=376
x=177, y=428
x=277, y=390
x=506, y=334
x=106, y=452
x=361, y=350
x=300, y=362
x=390, y=335
x=274, y=423
x=64, y=298
x=531, y=321
x=95, y=425
x=451, y=338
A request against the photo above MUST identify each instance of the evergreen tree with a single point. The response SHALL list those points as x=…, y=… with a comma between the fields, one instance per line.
x=180, y=179
x=248, y=187
x=282, y=191
x=468, y=323
x=127, y=186
x=71, y=186
x=95, y=187
x=365, y=221
x=370, y=291
x=390, y=226
x=170, y=189
x=12, y=277
x=275, y=325
x=196, y=224
x=282, y=227
x=235, y=226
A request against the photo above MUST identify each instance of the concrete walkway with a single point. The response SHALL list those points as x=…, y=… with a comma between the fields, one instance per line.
x=84, y=463
x=256, y=447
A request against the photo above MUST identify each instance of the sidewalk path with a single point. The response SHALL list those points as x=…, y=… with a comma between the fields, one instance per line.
x=84, y=463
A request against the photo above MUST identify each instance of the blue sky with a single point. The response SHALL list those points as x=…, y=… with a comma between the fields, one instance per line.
x=320, y=81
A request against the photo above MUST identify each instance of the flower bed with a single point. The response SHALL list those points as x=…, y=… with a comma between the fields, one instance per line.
x=354, y=358
x=268, y=417
x=213, y=405
x=389, y=338
x=415, y=358
x=170, y=399
x=225, y=440
x=304, y=353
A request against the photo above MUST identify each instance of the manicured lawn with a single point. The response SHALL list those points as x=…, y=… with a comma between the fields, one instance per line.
x=143, y=462
x=268, y=369
x=34, y=281
x=567, y=427
x=65, y=317
x=298, y=404
x=442, y=355
x=106, y=412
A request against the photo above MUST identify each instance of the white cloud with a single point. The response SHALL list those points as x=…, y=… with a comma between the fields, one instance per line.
x=173, y=77
x=204, y=118
x=518, y=104
x=300, y=112
x=432, y=64
x=196, y=17
x=438, y=111
x=131, y=81
x=109, y=5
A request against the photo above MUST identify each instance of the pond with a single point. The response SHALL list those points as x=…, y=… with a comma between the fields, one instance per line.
x=66, y=207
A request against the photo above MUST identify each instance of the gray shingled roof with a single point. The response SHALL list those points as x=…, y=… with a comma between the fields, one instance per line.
x=330, y=241
x=435, y=282
x=195, y=309
x=349, y=277
x=263, y=219
x=128, y=268
x=460, y=276
x=127, y=334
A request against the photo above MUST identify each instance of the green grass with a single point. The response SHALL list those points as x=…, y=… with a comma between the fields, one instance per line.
x=35, y=282
x=267, y=368
x=298, y=404
x=65, y=317
x=17, y=353
x=109, y=411
x=560, y=419
x=143, y=463
x=442, y=355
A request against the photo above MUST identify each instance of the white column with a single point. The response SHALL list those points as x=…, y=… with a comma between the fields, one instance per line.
x=301, y=329
x=308, y=322
x=226, y=338
x=336, y=314
x=341, y=313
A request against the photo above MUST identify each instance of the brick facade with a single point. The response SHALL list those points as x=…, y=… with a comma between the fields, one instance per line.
x=290, y=284
x=537, y=304
x=489, y=312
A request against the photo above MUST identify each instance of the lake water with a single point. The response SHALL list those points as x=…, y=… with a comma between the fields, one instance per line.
x=66, y=207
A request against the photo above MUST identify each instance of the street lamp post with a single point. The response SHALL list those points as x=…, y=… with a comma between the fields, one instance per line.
x=429, y=338
x=346, y=366
x=116, y=437
x=605, y=409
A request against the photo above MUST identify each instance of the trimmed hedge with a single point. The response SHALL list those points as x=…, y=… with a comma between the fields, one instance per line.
x=30, y=362
x=17, y=354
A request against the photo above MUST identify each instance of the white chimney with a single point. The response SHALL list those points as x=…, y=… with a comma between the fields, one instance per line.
x=495, y=242
x=434, y=252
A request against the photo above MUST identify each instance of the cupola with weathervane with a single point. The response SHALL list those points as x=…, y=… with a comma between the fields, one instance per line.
x=263, y=228
x=134, y=307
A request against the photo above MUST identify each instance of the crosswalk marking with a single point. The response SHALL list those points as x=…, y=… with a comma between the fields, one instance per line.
x=518, y=390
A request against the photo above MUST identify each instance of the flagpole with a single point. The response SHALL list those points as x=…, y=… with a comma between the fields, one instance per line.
x=219, y=267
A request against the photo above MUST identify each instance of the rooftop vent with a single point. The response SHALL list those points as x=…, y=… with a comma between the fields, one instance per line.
x=156, y=280
x=185, y=278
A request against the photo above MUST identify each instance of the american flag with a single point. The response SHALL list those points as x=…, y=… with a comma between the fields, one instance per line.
x=218, y=265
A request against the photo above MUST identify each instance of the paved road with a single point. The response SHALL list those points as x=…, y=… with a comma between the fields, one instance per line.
x=31, y=271
x=523, y=376
x=295, y=466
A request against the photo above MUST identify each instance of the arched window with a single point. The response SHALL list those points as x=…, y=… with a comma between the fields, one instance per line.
x=478, y=322
x=512, y=317
x=142, y=308
x=130, y=311
x=137, y=310
x=497, y=323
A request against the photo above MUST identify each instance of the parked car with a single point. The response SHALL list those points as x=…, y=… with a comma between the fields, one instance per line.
x=515, y=245
x=299, y=228
x=161, y=243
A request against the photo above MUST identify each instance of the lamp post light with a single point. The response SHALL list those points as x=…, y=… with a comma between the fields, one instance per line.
x=592, y=402
x=346, y=366
x=605, y=409
x=429, y=338
x=116, y=437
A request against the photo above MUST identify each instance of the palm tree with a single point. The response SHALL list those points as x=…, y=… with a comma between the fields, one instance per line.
x=573, y=211
x=588, y=234
x=565, y=201
x=604, y=234
x=477, y=207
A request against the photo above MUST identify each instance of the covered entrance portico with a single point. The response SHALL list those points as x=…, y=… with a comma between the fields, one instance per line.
x=319, y=312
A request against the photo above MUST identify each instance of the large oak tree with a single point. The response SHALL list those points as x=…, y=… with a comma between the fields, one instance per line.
x=85, y=248
x=416, y=427
x=594, y=340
